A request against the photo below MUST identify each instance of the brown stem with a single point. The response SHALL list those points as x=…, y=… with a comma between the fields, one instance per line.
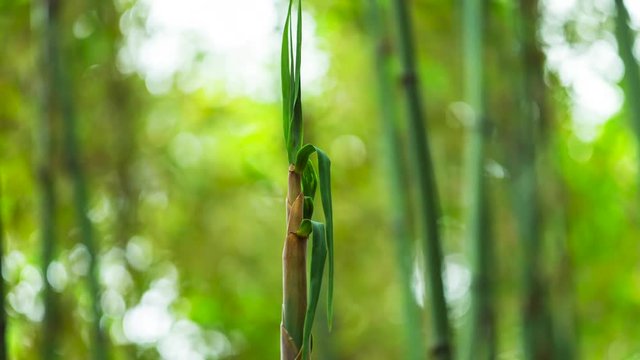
x=294, y=279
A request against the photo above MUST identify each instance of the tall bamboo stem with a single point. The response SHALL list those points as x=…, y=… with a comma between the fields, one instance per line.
x=625, y=37
x=45, y=177
x=481, y=341
x=397, y=170
x=61, y=83
x=537, y=332
x=423, y=166
x=3, y=314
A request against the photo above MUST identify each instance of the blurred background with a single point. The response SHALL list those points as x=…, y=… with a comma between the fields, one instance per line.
x=147, y=135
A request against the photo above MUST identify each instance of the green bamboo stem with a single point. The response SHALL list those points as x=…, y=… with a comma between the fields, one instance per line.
x=61, y=83
x=397, y=170
x=536, y=330
x=626, y=36
x=3, y=314
x=481, y=341
x=422, y=163
x=565, y=331
x=45, y=178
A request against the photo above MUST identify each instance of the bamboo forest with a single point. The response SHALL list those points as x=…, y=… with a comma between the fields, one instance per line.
x=306, y=179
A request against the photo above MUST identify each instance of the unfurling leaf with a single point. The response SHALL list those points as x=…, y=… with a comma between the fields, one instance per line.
x=302, y=157
x=324, y=170
x=308, y=207
x=305, y=228
x=318, y=258
x=324, y=176
x=309, y=180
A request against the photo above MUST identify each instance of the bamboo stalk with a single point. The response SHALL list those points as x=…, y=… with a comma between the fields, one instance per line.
x=565, y=319
x=537, y=333
x=3, y=313
x=45, y=178
x=481, y=340
x=397, y=170
x=294, y=266
x=626, y=36
x=61, y=83
x=441, y=345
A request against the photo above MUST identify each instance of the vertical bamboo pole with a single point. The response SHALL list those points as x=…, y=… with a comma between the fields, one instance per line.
x=537, y=332
x=422, y=162
x=3, y=314
x=481, y=340
x=61, y=84
x=45, y=177
x=625, y=37
x=397, y=170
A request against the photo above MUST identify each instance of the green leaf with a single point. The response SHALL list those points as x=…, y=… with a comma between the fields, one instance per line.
x=318, y=258
x=285, y=74
x=308, y=207
x=295, y=131
x=302, y=157
x=324, y=175
x=292, y=94
x=290, y=62
x=305, y=228
x=309, y=180
x=324, y=170
x=299, y=45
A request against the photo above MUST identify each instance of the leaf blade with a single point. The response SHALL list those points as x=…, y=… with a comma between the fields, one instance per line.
x=285, y=75
x=318, y=259
x=302, y=157
x=324, y=174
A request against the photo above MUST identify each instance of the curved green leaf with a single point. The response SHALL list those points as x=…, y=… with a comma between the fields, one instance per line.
x=309, y=180
x=305, y=228
x=308, y=208
x=290, y=63
x=302, y=157
x=324, y=175
x=324, y=170
x=285, y=75
x=318, y=258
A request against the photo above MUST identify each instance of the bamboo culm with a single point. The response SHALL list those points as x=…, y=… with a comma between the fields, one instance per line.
x=536, y=328
x=480, y=343
x=294, y=260
x=3, y=314
x=422, y=164
x=625, y=37
x=45, y=177
x=61, y=82
x=397, y=170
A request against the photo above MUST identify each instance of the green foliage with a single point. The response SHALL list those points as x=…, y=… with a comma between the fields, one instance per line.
x=291, y=84
x=318, y=257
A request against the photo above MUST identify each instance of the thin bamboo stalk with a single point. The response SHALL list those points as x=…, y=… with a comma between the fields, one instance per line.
x=537, y=332
x=481, y=341
x=564, y=289
x=422, y=163
x=3, y=313
x=61, y=83
x=45, y=178
x=625, y=37
x=397, y=170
